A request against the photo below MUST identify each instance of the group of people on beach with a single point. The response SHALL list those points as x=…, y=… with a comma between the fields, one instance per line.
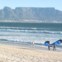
x=51, y=45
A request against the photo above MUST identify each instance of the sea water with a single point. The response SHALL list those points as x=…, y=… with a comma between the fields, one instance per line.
x=30, y=32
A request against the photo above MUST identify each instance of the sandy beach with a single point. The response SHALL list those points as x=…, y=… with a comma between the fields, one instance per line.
x=9, y=53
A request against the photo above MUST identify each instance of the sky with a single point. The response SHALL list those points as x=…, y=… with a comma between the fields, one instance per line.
x=57, y=4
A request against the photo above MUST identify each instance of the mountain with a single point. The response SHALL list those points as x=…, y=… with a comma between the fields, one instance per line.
x=30, y=14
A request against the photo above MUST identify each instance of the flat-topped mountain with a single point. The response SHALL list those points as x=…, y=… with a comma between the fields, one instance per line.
x=30, y=14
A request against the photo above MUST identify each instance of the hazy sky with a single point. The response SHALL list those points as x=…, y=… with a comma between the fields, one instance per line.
x=31, y=3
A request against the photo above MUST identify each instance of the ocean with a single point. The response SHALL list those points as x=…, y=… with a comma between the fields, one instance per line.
x=30, y=32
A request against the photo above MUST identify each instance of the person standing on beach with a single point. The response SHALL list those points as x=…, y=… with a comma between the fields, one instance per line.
x=33, y=43
x=54, y=47
x=48, y=45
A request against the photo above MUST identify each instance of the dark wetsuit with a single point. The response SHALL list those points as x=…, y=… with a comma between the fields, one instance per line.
x=54, y=47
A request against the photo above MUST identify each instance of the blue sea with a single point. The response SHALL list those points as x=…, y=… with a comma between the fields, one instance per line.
x=30, y=32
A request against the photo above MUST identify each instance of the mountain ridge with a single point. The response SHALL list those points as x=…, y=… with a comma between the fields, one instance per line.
x=30, y=14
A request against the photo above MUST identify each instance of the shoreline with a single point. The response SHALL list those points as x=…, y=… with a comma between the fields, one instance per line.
x=28, y=45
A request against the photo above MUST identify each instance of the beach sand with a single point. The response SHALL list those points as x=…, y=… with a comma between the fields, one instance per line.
x=9, y=53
